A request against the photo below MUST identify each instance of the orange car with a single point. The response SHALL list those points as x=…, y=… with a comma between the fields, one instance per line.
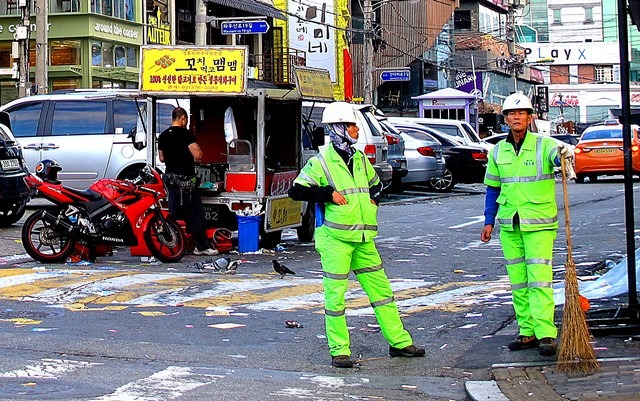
x=600, y=151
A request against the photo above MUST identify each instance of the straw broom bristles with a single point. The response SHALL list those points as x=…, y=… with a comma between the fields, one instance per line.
x=576, y=354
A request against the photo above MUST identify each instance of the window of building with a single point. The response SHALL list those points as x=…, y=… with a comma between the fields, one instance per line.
x=557, y=16
x=124, y=9
x=462, y=19
x=573, y=74
x=604, y=73
x=450, y=114
x=96, y=54
x=132, y=59
x=588, y=15
x=65, y=52
x=64, y=6
x=64, y=83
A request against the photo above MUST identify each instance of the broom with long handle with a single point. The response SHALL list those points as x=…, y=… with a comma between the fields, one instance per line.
x=576, y=353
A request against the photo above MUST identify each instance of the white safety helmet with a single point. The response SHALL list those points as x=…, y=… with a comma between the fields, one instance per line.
x=517, y=101
x=338, y=112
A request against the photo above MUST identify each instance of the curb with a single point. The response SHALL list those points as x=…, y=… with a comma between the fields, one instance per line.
x=484, y=391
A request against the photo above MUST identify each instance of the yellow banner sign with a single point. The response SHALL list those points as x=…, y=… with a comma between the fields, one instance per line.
x=191, y=70
x=314, y=83
x=283, y=212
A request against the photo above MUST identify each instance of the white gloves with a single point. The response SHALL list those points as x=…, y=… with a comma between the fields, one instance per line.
x=566, y=151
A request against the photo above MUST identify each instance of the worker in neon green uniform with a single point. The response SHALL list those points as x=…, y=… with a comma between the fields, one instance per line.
x=521, y=191
x=343, y=180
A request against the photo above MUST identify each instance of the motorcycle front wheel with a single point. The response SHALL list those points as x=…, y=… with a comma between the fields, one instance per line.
x=165, y=239
x=44, y=242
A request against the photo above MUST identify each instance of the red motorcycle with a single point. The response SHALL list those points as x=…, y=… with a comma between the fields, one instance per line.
x=110, y=213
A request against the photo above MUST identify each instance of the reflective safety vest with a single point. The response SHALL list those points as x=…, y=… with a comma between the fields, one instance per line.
x=526, y=181
x=357, y=220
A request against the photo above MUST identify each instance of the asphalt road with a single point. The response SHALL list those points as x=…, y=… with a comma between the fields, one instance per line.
x=121, y=329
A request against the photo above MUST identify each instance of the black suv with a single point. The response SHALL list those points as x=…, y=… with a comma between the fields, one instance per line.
x=14, y=194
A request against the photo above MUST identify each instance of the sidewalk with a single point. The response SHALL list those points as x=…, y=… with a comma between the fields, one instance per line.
x=618, y=378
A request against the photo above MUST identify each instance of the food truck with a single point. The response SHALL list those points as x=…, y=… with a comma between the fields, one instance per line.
x=250, y=132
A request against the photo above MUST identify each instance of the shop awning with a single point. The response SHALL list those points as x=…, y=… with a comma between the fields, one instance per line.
x=251, y=6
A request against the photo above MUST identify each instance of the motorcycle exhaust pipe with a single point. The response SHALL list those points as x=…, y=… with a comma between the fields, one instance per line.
x=56, y=221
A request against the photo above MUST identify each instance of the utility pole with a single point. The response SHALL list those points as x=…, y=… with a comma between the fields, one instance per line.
x=42, y=46
x=368, y=52
x=22, y=36
x=515, y=62
x=201, y=23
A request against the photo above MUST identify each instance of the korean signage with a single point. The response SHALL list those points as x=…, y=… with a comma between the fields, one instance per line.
x=243, y=27
x=158, y=26
x=310, y=30
x=396, y=75
x=189, y=69
x=314, y=83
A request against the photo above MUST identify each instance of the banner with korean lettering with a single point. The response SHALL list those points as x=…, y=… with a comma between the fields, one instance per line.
x=190, y=70
x=311, y=30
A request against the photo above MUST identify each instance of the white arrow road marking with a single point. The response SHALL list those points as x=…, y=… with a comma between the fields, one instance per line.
x=168, y=384
x=48, y=368
x=474, y=220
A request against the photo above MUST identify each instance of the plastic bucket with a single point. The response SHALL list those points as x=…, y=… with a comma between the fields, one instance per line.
x=248, y=233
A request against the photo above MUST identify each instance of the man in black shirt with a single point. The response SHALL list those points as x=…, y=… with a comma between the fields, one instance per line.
x=178, y=149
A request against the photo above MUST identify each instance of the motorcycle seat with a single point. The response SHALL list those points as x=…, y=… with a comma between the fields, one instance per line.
x=88, y=194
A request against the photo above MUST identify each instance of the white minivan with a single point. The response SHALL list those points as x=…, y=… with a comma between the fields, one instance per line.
x=86, y=132
x=460, y=129
x=371, y=140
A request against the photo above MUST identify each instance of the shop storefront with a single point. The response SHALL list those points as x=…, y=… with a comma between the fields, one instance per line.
x=85, y=50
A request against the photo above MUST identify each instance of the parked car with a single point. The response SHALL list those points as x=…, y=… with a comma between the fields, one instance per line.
x=600, y=151
x=86, y=132
x=14, y=194
x=425, y=161
x=461, y=129
x=464, y=164
x=371, y=140
x=396, y=155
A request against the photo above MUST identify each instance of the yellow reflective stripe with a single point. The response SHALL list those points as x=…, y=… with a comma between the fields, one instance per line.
x=334, y=313
x=350, y=227
x=539, y=261
x=374, y=180
x=514, y=261
x=306, y=178
x=381, y=302
x=368, y=269
x=540, y=284
x=505, y=221
x=547, y=220
x=515, y=287
x=492, y=177
x=334, y=276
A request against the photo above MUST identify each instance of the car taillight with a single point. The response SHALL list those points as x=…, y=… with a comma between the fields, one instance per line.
x=370, y=152
x=392, y=140
x=635, y=148
x=581, y=150
x=479, y=155
x=426, y=151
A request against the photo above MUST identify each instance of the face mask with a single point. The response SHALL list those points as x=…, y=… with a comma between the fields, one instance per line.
x=341, y=139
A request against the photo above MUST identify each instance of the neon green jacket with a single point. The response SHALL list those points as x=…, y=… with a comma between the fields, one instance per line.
x=357, y=220
x=526, y=181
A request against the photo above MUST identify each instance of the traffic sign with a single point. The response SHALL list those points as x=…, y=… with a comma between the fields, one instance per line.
x=244, y=27
x=396, y=75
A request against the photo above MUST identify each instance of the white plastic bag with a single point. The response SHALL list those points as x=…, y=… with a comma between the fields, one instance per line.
x=230, y=130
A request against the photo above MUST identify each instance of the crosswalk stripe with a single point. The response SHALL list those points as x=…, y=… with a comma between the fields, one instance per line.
x=48, y=368
x=167, y=384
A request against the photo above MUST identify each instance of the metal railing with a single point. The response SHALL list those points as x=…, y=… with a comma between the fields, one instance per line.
x=276, y=66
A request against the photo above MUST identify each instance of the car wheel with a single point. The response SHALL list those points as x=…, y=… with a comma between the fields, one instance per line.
x=131, y=172
x=593, y=178
x=444, y=183
x=579, y=178
x=11, y=212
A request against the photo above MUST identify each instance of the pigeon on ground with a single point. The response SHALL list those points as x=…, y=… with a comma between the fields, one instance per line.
x=220, y=264
x=281, y=269
x=233, y=266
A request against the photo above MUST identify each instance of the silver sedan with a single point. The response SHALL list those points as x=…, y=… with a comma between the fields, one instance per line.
x=424, y=157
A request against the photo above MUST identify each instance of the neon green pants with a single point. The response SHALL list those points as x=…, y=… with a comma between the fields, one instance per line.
x=338, y=259
x=529, y=256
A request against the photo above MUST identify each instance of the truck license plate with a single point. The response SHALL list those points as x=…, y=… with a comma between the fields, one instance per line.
x=10, y=164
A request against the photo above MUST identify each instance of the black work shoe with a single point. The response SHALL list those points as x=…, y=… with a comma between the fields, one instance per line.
x=547, y=346
x=341, y=361
x=407, y=352
x=523, y=342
